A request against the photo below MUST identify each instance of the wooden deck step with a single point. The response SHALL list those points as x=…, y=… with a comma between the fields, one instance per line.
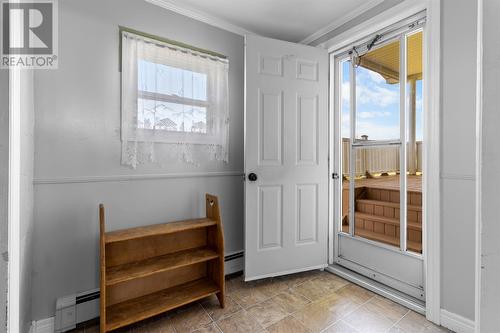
x=134, y=270
x=412, y=246
x=387, y=220
x=147, y=306
x=157, y=229
x=388, y=204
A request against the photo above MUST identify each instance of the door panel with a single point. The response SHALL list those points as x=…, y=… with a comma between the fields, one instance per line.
x=270, y=127
x=307, y=213
x=307, y=130
x=270, y=217
x=286, y=148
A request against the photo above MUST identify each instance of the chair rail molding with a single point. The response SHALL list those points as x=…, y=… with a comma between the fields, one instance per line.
x=125, y=177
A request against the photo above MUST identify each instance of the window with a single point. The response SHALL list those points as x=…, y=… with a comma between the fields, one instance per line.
x=171, y=99
x=382, y=136
x=175, y=97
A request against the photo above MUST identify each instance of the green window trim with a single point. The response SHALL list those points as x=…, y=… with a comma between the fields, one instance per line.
x=163, y=40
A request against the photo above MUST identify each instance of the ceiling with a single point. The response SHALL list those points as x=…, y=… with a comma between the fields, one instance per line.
x=291, y=20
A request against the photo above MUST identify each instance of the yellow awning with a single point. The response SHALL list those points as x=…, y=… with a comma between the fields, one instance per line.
x=385, y=60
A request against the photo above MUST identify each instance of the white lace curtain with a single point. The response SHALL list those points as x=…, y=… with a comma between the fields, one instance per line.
x=174, y=103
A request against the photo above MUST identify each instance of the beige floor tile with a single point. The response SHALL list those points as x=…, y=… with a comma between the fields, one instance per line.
x=387, y=308
x=233, y=284
x=267, y=312
x=365, y=320
x=240, y=322
x=211, y=328
x=337, y=306
x=248, y=296
x=291, y=301
x=322, y=285
x=270, y=287
x=319, y=315
x=315, y=289
x=133, y=328
x=341, y=327
x=212, y=306
x=190, y=319
x=355, y=293
x=416, y=323
x=332, y=280
x=92, y=329
x=288, y=325
x=160, y=324
x=293, y=280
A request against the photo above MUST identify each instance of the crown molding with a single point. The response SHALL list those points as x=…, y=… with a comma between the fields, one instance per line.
x=344, y=19
x=198, y=15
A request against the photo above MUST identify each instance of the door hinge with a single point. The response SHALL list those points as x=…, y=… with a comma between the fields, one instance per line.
x=335, y=175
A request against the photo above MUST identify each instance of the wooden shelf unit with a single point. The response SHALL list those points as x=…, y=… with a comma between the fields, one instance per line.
x=146, y=271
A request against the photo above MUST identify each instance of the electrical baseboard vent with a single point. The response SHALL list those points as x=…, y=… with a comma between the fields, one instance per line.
x=234, y=262
x=75, y=309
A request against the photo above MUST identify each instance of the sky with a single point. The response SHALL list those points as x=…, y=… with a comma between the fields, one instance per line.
x=167, y=80
x=377, y=105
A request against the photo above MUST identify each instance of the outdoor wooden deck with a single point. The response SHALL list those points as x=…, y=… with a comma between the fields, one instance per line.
x=414, y=183
x=377, y=210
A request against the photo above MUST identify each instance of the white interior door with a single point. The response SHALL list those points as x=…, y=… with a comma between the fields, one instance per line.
x=286, y=158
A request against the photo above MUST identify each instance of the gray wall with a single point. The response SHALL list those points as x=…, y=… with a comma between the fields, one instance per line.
x=490, y=171
x=77, y=135
x=4, y=194
x=458, y=70
x=26, y=203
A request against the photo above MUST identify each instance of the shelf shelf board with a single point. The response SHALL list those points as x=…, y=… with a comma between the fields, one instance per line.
x=139, y=269
x=147, y=306
x=157, y=229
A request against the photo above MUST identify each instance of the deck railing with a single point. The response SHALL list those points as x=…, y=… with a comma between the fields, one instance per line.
x=377, y=159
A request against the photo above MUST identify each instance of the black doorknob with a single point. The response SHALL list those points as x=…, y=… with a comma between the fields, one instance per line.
x=252, y=177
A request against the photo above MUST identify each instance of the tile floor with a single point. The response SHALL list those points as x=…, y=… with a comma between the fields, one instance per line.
x=306, y=302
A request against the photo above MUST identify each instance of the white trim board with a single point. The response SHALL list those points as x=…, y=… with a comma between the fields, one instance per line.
x=479, y=163
x=120, y=178
x=14, y=193
x=341, y=21
x=43, y=325
x=198, y=15
x=456, y=322
x=376, y=23
x=432, y=162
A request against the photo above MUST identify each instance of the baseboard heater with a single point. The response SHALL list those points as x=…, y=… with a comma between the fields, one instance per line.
x=75, y=309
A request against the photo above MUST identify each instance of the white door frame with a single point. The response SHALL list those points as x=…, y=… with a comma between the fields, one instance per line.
x=14, y=192
x=431, y=152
